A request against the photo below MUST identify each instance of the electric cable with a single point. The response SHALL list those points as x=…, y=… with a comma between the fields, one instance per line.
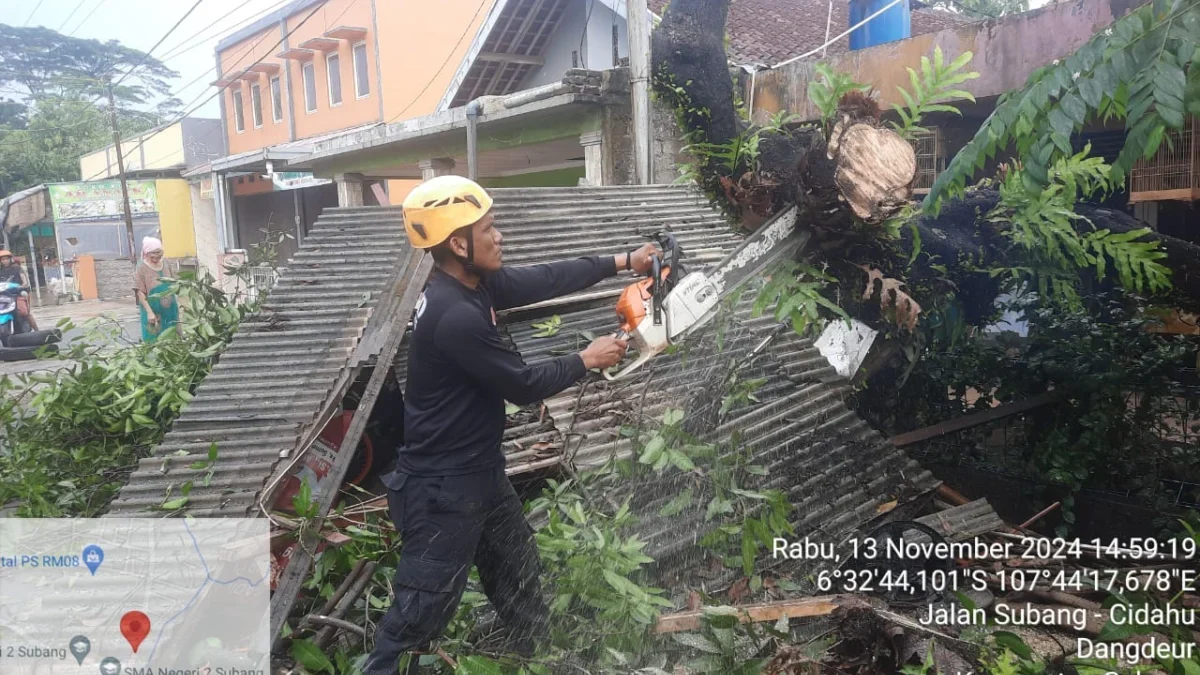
x=440, y=68
x=70, y=16
x=35, y=9
x=85, y=18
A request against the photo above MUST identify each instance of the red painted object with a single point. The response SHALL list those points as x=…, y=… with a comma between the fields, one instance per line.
x=319, y=460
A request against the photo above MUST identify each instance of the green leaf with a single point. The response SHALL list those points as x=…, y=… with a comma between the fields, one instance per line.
x=1155, y=140
x=653, y=450
x=478, y=665
x=749, y=553
x=1112, y=632
x=1074, y=108
x=618, y=583
x=511, y=409
x=677, y=504
x=1012, y=642
x=175, y=504
x=672, y=417
x=682, y=461
x=696, y=641
x=1060, y=123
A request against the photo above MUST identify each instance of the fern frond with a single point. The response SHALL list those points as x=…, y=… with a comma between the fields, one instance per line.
x=931, y=89
x=1141, y=70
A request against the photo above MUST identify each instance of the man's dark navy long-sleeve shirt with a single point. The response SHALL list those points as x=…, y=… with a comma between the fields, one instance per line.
x=460, y=372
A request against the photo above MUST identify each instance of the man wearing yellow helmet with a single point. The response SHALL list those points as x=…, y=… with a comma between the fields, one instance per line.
x=449, y=496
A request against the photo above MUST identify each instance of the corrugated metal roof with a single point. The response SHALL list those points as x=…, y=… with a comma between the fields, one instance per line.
x=277, y=374
x=836, y=470
x=271, y=383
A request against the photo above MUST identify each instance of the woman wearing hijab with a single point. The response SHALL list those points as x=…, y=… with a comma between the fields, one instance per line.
x=152, y=289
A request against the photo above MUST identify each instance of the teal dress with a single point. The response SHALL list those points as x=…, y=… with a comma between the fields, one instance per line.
x=162, y=301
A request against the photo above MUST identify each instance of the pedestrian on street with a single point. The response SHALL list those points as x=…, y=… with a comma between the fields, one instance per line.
x=449, y=496
x=11, y=272
x=152, y=289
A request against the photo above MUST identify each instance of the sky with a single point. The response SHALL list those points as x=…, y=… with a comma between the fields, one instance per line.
x=141, y=23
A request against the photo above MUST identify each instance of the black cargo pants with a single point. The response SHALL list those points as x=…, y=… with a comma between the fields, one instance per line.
x=445, y=524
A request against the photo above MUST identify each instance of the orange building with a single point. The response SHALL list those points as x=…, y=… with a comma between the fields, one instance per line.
x=322, y=79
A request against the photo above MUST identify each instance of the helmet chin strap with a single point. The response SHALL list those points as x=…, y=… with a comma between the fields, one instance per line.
x=468, y=262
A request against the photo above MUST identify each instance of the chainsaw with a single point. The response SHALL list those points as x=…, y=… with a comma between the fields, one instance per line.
x=671, y=303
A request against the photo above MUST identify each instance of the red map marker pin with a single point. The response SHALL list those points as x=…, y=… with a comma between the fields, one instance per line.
x=135, y=626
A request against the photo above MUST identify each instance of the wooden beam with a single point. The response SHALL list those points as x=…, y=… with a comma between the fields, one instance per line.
x=761, y=613
x=975, y=419
x=397, y=307
x=520, y=59
x=1184, y=195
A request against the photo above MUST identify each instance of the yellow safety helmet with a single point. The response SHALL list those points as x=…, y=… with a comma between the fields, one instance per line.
x=441, y=205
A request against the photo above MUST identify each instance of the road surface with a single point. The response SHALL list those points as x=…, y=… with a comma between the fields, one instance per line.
x=123, y=311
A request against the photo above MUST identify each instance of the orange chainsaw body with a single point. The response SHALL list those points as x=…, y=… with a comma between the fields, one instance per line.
x=631, y=307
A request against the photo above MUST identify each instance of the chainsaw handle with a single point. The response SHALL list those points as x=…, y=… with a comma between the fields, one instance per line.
x=638, y=363
x=656, y=286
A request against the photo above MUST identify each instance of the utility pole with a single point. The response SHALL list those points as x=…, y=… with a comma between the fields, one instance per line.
x=637, y=17
x=112, y=104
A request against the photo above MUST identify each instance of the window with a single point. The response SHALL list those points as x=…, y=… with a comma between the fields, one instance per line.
x=362, y=81
x=256, y=105
x=276, y=101
x=239, y=122
x=310, y=87
x=333, y=66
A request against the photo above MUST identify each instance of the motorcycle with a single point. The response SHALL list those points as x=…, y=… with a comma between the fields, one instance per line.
x=17, y=341
x=10, y=322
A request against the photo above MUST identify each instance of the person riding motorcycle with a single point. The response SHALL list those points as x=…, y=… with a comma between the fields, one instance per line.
x=11, y=272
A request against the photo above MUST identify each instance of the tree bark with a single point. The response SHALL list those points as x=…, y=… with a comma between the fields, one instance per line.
x=865, y=171
x=688, y=51
x=863, y=174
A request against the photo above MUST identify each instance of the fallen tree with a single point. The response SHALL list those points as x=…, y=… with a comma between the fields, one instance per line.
x=850, y=173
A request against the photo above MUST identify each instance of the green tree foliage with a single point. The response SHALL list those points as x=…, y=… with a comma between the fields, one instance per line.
x=982, y=9
x=47, y=148
x=42, y=62
x=1138, y=70
x=60, y=110
x=931, y=89
x=69, y=438
x=1042, y=226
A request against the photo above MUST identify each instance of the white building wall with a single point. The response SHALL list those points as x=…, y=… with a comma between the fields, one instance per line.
x=593, y=46
x=208, y=247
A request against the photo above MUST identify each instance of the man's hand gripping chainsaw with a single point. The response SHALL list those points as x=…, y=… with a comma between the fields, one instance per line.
x=671, y=303
x=657, y=310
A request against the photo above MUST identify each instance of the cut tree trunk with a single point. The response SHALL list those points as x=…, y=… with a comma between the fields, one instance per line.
x=865, y=171
x=863, y=174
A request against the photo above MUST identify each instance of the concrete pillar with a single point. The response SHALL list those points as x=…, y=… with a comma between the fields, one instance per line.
x=437, y=166
x=349, y=188
x=593, y=157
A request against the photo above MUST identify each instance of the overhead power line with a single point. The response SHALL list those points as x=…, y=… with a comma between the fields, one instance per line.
x=156, y=44
x=179, y=49
x=70, y=16
x=35, y=9
x=441, y=67
x=220, y=89
x=85, y=18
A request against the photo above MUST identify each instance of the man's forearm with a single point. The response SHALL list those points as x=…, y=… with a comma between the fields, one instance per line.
x=514, y=287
